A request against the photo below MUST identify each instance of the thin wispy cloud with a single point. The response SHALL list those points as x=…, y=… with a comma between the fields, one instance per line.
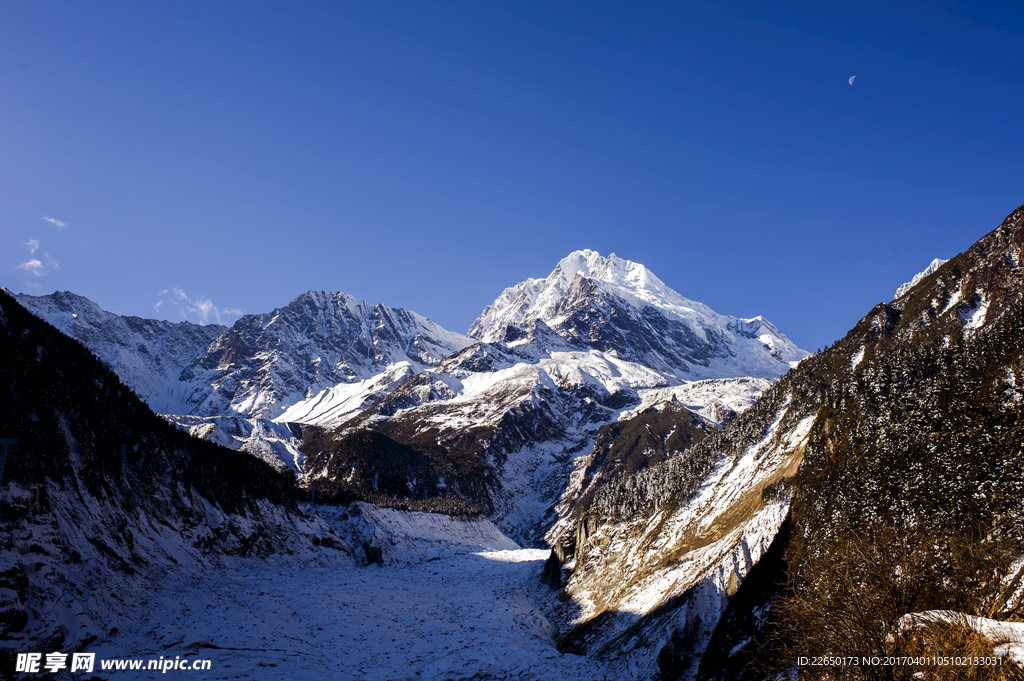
x=33, y=266
x=37, y=267
x=60, y=224
x=198, y=308
x=32, y=245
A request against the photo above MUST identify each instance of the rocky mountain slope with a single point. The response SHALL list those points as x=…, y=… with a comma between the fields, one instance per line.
x=99, y=494
x=659, y=495
x=124, y=537
x=912, y=417
x=267, y=362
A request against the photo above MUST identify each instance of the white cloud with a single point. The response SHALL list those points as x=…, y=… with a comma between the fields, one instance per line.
x=32, y=245
x=156, y=308
x=199, y=308
x=38, y=267
x=54, y=221
x=34, y=266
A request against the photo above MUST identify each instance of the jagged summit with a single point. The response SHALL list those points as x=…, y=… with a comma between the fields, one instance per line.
x=934, y=265
x=539, y=298
x=612, y=304
x=263, y=362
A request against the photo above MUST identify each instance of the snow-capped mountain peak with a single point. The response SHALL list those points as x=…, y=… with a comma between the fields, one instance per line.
x=539, y=298
x=613, y=304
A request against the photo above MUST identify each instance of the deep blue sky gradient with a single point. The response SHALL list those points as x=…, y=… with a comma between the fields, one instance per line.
x=427, y=155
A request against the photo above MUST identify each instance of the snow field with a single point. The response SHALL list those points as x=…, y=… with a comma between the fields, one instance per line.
x=298, y=618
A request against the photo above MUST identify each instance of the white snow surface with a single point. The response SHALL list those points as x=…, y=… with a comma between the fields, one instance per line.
x=935, y=264
x=295, y=618
x=857, y=358
x=974, y=317
x=706, y=397
x=414, y=537
x=455, y=599
x=344, y=399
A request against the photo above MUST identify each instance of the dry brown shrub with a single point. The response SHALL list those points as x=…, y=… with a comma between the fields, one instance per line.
x=948, y=641
x=846, y=599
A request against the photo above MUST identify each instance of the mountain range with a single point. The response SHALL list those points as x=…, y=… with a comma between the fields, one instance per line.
x=659, y=458
x=501, y=414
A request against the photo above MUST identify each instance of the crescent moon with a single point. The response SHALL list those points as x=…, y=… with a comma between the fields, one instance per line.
x=852, y=78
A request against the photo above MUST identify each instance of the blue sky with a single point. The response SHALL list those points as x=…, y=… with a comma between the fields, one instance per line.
x=228, y=156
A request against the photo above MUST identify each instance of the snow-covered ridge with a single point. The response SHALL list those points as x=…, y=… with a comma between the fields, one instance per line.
x=148, y=355
x=264, y=363
x=935, y=264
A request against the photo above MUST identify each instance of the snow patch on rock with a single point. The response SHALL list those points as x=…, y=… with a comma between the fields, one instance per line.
x=974, y=316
